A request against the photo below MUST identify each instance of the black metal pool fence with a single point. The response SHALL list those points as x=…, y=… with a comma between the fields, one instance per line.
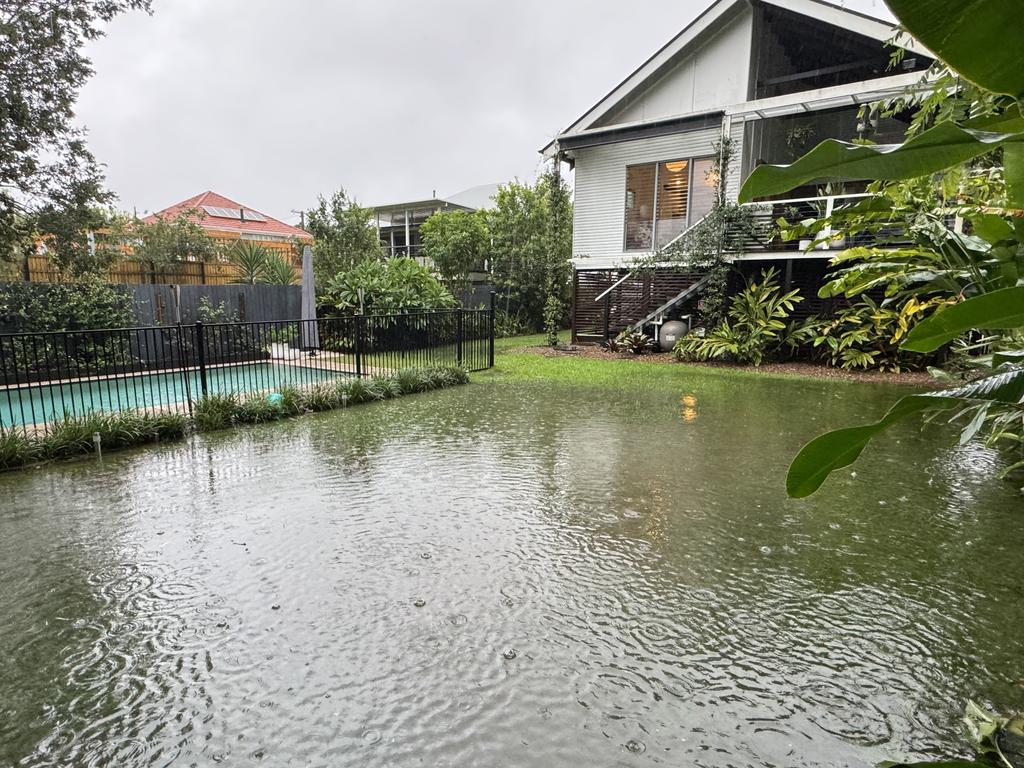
x=48, y=376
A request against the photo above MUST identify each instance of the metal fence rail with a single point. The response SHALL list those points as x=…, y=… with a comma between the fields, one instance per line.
x=45, y=377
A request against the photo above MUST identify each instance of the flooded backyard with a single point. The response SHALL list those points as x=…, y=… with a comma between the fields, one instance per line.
x=512, y=574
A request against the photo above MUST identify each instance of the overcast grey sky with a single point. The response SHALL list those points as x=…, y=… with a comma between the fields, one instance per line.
x=272, y=102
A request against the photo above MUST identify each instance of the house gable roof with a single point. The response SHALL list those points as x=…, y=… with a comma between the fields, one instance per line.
x=214, y=223
x=704, y=27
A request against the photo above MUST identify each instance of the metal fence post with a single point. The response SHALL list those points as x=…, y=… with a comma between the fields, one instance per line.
x=183, y=364
x=490, y=332
x=358, y=319
x=201, y=355
x=458, y=337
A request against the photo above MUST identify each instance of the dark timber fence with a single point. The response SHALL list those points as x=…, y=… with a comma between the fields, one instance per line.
x=49, y=376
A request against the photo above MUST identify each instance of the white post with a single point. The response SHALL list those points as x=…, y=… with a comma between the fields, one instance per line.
x=408, y=242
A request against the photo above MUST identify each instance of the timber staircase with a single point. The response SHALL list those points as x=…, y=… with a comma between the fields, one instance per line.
x=608, y=302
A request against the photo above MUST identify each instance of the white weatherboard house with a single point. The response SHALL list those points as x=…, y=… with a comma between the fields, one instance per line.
x=775, y=76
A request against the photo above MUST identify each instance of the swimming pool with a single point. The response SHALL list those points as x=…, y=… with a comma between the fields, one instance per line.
x=40, y=403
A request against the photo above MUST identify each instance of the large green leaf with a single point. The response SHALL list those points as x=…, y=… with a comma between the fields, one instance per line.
x=1005, y=386
x=835, y=450
x=995, y=311
x=980, y=39
x=941, y=147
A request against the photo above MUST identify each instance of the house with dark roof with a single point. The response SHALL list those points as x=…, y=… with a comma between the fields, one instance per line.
x=228, y=221
x=770, y=78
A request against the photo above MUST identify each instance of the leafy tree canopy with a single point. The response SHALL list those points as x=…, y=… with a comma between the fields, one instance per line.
x=531, y=242
x=458, y=242
x=48, y=178
x=344, y=236
x=173, y=239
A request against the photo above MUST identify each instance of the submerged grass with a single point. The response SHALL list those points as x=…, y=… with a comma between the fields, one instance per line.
x=73, y=435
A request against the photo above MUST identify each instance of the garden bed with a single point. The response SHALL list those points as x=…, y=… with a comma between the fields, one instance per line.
x=805, y=369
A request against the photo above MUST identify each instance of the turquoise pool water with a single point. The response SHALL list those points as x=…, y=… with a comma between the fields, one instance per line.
x=41, y=403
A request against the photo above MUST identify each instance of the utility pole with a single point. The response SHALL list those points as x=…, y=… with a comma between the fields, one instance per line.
x=302, y=218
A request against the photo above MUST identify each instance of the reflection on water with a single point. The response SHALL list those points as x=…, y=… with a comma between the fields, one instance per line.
x=513, y=575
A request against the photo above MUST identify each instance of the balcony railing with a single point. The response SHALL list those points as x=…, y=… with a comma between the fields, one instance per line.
x=764, y=234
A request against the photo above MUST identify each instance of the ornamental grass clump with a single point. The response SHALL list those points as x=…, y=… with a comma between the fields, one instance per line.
x=74, y=435
x=214, y=412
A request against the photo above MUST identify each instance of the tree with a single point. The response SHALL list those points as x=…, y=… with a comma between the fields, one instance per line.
x=81, y=240
x=344, y=236
x=458, y=242
x=173, y=239
x=521, y=239
x=48, y=178
x=557, y=251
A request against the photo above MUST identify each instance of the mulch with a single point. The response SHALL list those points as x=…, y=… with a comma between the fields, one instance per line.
x=815, y=370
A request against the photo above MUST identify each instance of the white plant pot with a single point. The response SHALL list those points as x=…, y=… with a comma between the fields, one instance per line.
x=280, y=351
x=805, y=245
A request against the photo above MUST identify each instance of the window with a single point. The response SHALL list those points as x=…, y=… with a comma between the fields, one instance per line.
x=664, y=199
x=640, y=207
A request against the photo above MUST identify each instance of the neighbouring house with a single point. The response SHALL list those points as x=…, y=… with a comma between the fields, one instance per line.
x=227, y=222
x=774, y=76
x=399, y=223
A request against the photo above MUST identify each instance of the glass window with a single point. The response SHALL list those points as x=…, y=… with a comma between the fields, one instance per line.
x=640, y=181
x=673, y=201
x=702, y=189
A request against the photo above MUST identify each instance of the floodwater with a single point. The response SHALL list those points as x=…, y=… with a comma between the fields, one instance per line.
x=507, y=574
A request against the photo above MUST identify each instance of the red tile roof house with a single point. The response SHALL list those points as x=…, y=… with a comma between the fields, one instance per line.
x=228, y=221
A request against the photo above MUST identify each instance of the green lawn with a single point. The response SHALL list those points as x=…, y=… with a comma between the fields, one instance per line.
x=514, y=363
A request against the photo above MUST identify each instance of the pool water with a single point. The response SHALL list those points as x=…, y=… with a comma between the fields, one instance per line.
x=39, y=404
x=511, y=574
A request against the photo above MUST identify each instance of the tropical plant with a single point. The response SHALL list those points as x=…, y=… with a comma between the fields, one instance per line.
x=756, y=325
x=249, y=260
x=633, y=342
x=867, y=334
x=990, y=401
x=387, y=287
x=278, y=269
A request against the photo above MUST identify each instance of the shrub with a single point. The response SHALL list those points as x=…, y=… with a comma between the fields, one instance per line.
x=73, y=435
x=754, y=328
x=258, y=409
x=84, y=305
x=17, y=449
x=868, y=334
x=324, y=397
x=293, y=400
x=510, y=323
x=634, y=342
x=387, y=286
